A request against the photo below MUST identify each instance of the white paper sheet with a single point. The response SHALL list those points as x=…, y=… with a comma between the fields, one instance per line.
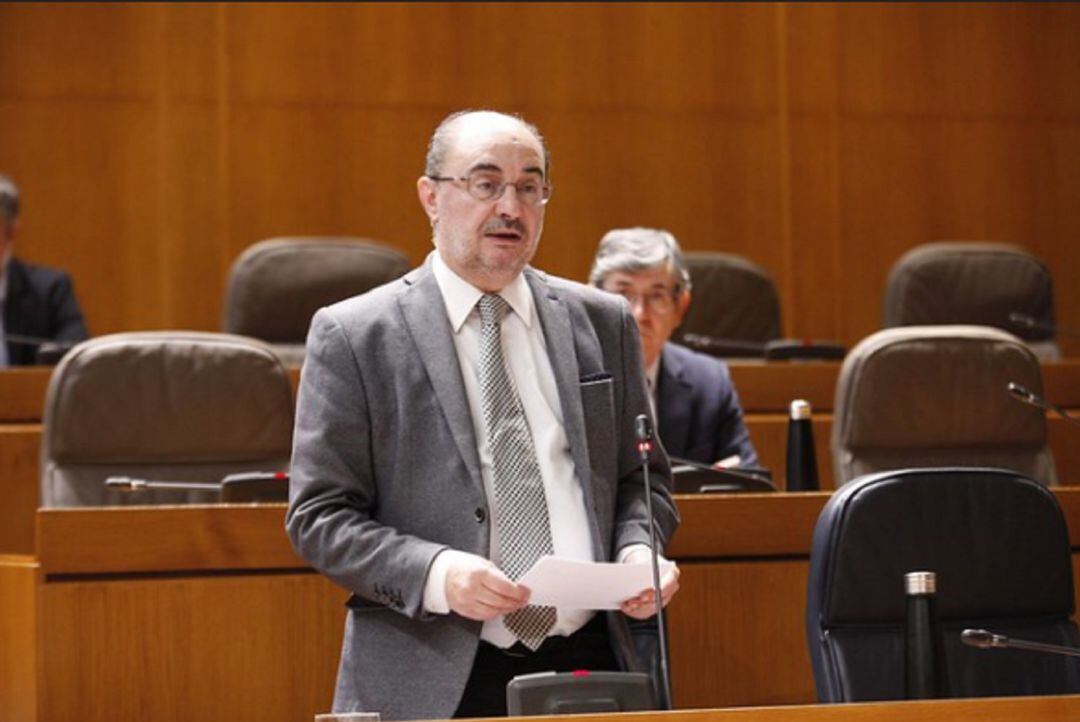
x=572, y=584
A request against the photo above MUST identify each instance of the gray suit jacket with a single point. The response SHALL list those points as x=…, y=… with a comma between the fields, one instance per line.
x=385, y=472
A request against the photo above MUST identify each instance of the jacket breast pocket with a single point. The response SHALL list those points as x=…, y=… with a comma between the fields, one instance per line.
x=598, y=405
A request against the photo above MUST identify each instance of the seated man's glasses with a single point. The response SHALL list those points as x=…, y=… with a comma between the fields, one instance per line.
x=658, y=301
x=487, y=187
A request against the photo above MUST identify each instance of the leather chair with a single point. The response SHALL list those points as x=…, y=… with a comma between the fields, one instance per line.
x=170, y=406
x=735, y=301
x=999, y=545
x=920, y=396
x=277, y=285
x=974, y=283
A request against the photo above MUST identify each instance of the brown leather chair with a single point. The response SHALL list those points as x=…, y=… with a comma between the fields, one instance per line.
x=932, y=396
x=974, y=283
x=277, y=285
x=734, y=299
x=170, y=406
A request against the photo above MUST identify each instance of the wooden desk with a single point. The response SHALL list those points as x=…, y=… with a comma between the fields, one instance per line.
x=765, y=389
x=204, y=612
x=1003, y=709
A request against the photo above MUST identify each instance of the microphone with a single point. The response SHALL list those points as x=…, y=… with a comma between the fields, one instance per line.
x=982, y=639
x=243, y=487
x=21, y=340
x=1021, y=393
x=643, y=434
x=127, y=483
x=1022, y=319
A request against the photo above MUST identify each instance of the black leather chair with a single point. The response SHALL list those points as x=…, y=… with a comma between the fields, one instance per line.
x=1000, y=547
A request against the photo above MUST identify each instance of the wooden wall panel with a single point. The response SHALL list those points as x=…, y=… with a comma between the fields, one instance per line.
x=155, y=142
x=185, y=640
x=19, y=578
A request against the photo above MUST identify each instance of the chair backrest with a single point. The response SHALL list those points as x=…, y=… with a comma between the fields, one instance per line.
x=733, y=298
x=999, y=545
x=276, y=286
x=170, y=406
x=920, y=396
x=973, y=283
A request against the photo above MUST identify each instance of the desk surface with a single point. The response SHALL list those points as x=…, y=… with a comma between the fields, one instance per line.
x=998, y=709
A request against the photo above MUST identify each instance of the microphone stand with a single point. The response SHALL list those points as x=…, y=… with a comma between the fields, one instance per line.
x=643, y=431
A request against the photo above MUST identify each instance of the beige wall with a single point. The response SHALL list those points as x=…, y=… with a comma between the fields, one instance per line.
x=154, y=142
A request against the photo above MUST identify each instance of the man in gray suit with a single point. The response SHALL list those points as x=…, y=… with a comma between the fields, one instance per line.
x=457, y=423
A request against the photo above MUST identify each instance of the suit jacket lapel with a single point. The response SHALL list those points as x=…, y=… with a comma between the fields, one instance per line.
x=425, y=317
x=673, y=399
x=559, y=336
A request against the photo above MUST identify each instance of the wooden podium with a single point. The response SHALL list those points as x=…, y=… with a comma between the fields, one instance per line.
x=205, y=613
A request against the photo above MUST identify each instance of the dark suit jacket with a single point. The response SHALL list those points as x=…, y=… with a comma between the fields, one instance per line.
x=385, y=472
x=699, y=414
x=40, y=302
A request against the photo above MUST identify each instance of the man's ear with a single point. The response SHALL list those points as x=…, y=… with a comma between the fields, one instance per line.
x=426, y=192
x=682, y=305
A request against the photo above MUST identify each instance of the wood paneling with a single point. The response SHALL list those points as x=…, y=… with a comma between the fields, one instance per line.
x=154, y=143
x=183, y=647
x=19, y=463
x=196, y=641
x=18, y=638
x=114, y=540
x=754, y=605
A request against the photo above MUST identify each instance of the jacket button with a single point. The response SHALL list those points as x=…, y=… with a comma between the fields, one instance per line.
x=480, y=515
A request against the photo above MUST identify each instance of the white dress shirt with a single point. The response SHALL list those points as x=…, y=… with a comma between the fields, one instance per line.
x=525, y=353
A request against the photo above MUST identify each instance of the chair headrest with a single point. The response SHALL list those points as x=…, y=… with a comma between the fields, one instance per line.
x=970, y=283
x=996, y=540
x=276, y=286
x=167, y=396
x=937, y=387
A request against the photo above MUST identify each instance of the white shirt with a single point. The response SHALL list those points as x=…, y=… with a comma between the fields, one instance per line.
x=525, y=353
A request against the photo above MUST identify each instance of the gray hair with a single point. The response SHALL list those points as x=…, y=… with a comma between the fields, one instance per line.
x=633, y=250
x=442, y=140
x=9, y=199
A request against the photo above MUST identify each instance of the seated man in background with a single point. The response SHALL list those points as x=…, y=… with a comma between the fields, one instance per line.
x=37, y=304
x=697, y=409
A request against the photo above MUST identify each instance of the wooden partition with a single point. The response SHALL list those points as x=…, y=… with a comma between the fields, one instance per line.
x=154, y=142
x=765, y=389
x=1035, y=709
x=204, y=612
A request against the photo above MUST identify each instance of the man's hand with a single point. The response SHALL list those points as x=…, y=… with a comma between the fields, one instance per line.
x=643, y=605
x=477, y=589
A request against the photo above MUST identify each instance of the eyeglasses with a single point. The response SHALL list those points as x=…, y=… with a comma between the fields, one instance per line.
x=659, y=301
x=487, y=187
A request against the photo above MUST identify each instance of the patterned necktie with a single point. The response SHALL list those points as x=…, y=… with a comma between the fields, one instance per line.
x=521, y=509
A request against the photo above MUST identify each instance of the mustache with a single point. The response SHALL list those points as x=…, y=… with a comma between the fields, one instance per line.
x=504, y=224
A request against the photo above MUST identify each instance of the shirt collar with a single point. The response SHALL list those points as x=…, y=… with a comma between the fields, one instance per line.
x=652, y=373
x=461, y=296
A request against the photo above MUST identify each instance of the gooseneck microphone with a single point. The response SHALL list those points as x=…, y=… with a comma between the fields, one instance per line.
x=246, y=486
x=1022, y=319
x=644, y=435
x=982, y=639
x=1021, y=393
x=21, y=340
